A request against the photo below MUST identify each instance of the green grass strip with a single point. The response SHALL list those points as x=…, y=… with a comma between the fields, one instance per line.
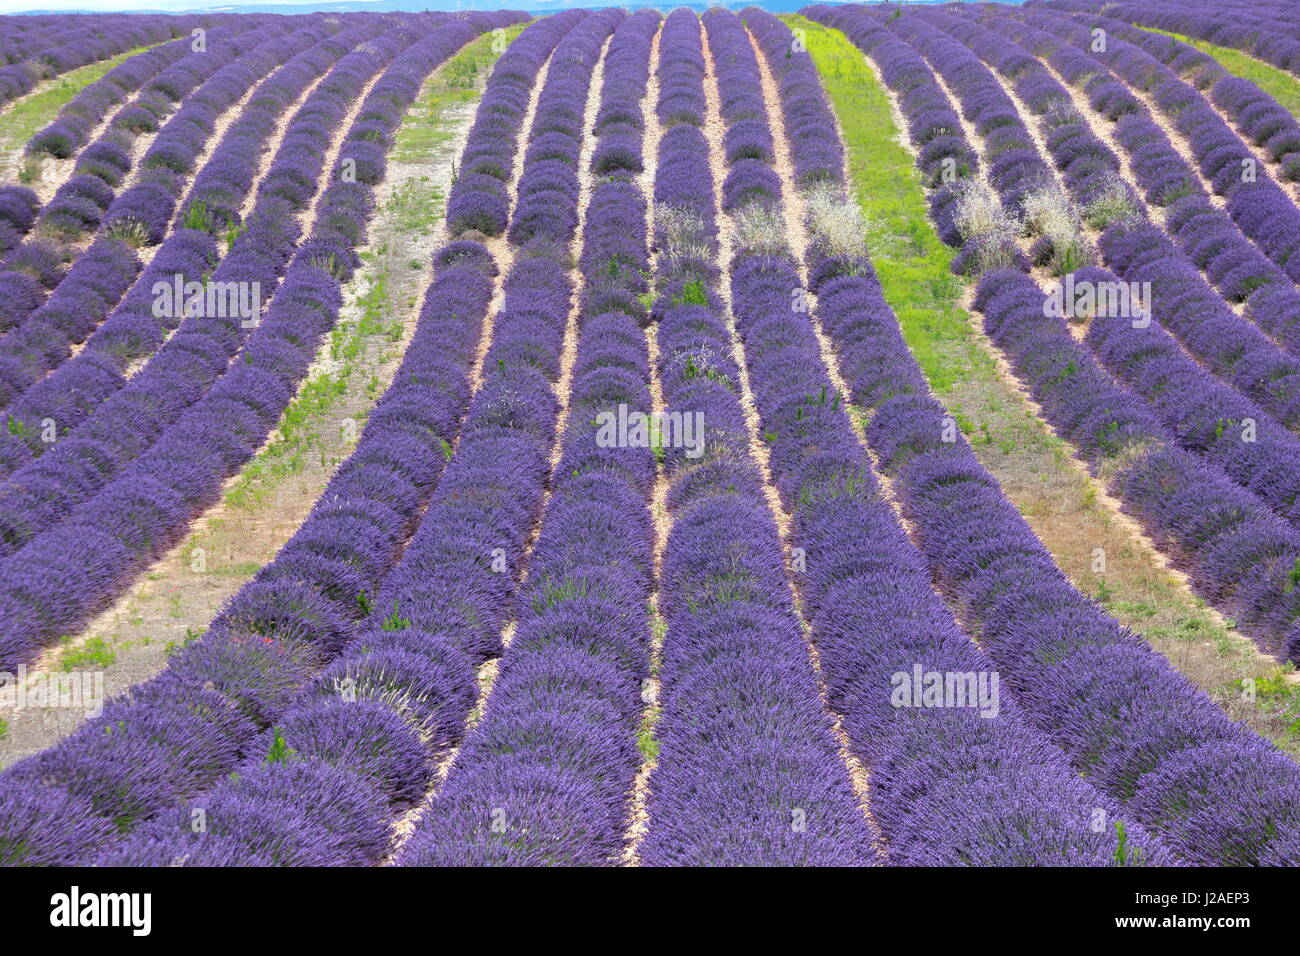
x=30, y=114
x=1279, y=84
x=456, y=84
x=913, y=264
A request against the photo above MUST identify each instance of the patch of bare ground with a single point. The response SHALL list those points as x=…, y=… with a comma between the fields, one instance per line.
x=715, y=131
x=262, y=507
x=638, y=814
x=1103, y=551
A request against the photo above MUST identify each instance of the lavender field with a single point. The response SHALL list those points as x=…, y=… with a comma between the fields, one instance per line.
x=634, y=437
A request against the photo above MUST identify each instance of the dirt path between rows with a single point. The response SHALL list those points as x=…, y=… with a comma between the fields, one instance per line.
x=638, y=823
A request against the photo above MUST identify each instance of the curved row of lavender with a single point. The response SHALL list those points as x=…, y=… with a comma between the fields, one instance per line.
x=1213, y=791
x=1260, y=208
x=183, y=731
x=949, y=786
x=73, y=125
x=748, y=770
x=1268, y=464
x=408, y=651
x=129, y=479
x=1221, y=542
x=34, y=267
x=1266, y=29
x=1240, y=251
x=84, y=205
x=120, y=420
x=70, y=130
x=1208, y=417
x=39, y=48
x=107, y=279
x=1252, y=545
x=543, y=777
x=1212, y=241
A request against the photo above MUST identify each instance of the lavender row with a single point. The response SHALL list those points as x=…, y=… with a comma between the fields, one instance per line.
x=192, y=724
x=36, y=266
x=986, y=554
x=1262, y=209
x=89, y=391
x=1236, y=267
x=133, y=332
x=1263, y=30
x=411, y=659
x=946, y=157
x=153, y=307
x=1141, y=253
x=78, y=205
x=809, y=122
x=479, y=199
x=1214, y=792
x=401, y=662
x=953, y=786
x=146, y=112
x=59, y=44
x=748, y=771
x=1073, y=146
x=190, y=385
x=87, y=196
x=544, y=778
x=70, y=130
x=1180, y=299
x=950, y=786
x=1183, y=301
x=142, y=213
x=1236, y=549
x=1263, y=462
x=73, y=125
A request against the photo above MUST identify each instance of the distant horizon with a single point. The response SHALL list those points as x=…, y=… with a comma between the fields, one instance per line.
x=25, y=8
